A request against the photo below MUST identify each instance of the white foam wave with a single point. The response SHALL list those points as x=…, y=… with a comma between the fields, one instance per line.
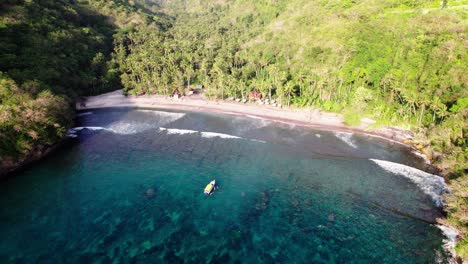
x=255, y=117
x=220, y=135
x=168, y=116
x=72, y=132
x=174, y=131
x=347, y=138
x=140, y=125
x=259, y=141
x=85, y=114
x=203, y=134
x=419, y=154
x=430, y=184
x=88, y=127
x=450, y=240
x=129, y=128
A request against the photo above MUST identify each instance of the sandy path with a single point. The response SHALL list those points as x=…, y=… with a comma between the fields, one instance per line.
x=303, y=117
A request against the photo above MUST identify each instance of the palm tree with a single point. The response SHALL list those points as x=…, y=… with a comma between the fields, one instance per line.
x=443, y=4
x=288, y=90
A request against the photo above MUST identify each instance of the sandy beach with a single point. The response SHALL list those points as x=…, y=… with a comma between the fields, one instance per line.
x=303, y=117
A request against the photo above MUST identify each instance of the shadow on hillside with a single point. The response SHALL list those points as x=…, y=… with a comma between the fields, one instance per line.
x=59, y=45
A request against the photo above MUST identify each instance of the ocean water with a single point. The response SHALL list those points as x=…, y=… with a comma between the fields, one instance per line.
x=129, y=189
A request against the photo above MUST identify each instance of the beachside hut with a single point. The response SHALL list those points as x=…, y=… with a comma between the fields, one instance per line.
x=255, y=95
x=175, y=94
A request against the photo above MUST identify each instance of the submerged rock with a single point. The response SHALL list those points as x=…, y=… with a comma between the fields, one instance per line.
x=150, y=193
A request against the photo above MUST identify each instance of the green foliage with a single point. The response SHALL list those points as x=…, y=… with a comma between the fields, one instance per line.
x=461, y=104
x=400, y=62
x=50, y=52
x=462, y=248
x=28, y=121
x=352, y=118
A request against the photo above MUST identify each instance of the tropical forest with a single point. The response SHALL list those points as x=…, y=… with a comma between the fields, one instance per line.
x=401, y=63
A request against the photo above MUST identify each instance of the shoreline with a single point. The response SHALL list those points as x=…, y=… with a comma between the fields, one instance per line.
x=311, y=118
x=34, y=157
x=305, y=118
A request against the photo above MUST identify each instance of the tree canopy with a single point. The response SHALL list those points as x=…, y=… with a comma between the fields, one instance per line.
x=402, y=63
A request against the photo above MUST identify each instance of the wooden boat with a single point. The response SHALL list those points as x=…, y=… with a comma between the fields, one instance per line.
x=210, y=187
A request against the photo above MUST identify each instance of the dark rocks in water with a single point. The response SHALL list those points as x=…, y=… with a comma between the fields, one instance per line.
x=224, y=258
x=331, y=218
x=114, y=235
x=150, y=193
x=171, y=257
x=154, y=250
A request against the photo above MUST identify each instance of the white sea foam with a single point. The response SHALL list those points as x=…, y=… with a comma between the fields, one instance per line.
x=85, y=114
x=72, y=132
x=166, y=116
x=430, y=184
x=259, y=141
x=174, y=131
x=220, y=135
x=88, y=127
x=138, y=125
x=347, y=138
x=255, y=117
x=243, y=125
x=72, y=135
x=129, y=128
x=450, y=240
x=419, y=154
x=203, y=134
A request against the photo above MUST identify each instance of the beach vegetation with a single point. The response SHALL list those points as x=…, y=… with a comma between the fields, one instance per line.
x=401, y=63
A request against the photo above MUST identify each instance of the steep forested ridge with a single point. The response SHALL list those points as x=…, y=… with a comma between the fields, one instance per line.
x=52, y=52
x=402, y=63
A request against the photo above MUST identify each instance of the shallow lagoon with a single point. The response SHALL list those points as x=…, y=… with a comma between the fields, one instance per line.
x=130, y=189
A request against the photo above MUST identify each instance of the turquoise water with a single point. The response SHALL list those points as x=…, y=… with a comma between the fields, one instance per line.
x=127, y=191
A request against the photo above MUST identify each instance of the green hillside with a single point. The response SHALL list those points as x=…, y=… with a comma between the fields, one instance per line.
x=402, y=63
x=51, y=53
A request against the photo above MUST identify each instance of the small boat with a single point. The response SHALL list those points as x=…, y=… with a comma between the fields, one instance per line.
x=210, y=187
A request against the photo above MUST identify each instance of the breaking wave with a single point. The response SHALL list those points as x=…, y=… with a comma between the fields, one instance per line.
x=128, y=128
x=347, y=138
x=203, y=134
x=213, y=135
x=76, y=129
x=142, y=123
x=430, y=184
x=174, y=131
x=450, y=240
x=72, y=132
x=84, y=114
